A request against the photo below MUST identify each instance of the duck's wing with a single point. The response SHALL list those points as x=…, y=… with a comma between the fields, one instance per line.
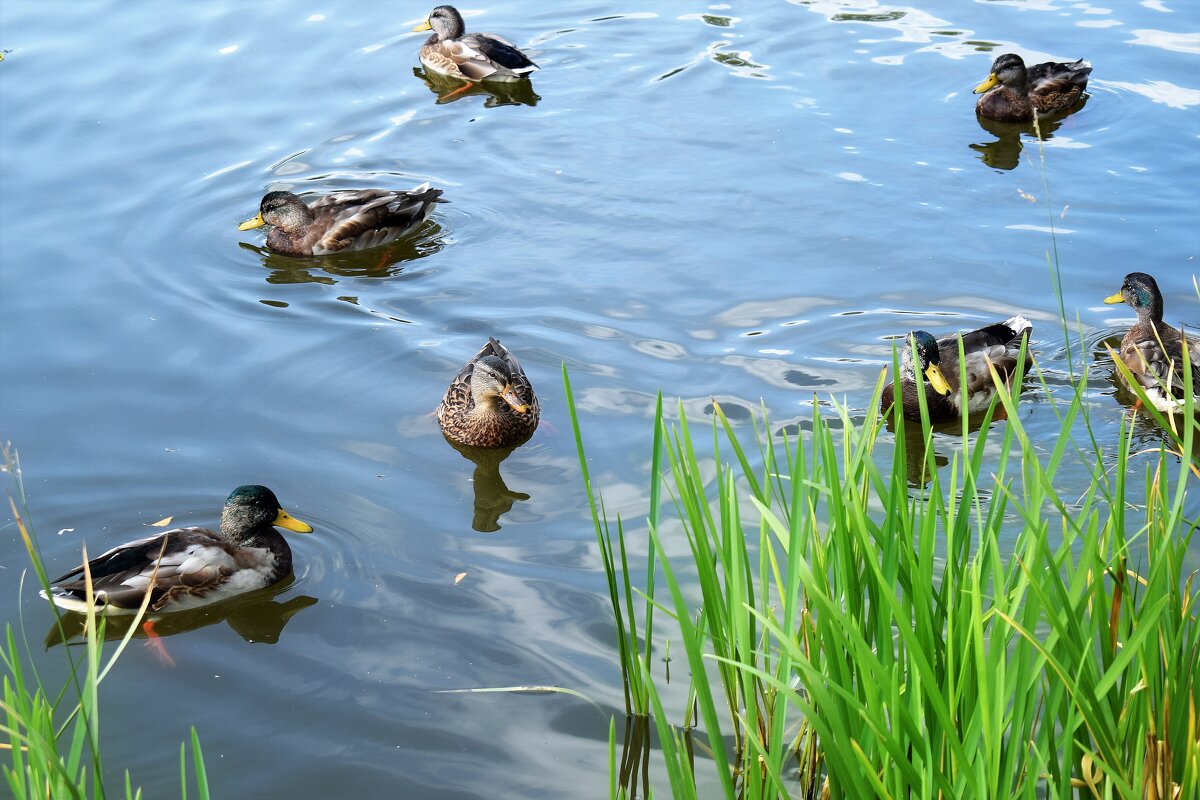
x=194, y=561
x=370, y=217
x=481, y=55
x=999, y=344
x=1053, y=78
x=458, y=395
x=1155, y=357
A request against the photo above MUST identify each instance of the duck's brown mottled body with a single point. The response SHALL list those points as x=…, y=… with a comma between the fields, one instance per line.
x=342, y=221
x=1014, y=93
x=482, y=406
x=453, y=52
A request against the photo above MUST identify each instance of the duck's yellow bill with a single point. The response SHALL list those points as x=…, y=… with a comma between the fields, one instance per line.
x=1115, y=298
x=991, y=81
x=937, y=380
x=510, y=396
x=286, y=520
x=254, y=222
x=424, y=26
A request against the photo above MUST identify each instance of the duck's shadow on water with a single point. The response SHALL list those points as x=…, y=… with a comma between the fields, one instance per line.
x=493, y=498
x=255, y=616
x=378, y=262
x=496, y=93
x=1005, y=152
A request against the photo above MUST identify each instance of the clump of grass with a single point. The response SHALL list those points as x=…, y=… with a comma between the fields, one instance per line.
x=859, y=637
x=53, y=737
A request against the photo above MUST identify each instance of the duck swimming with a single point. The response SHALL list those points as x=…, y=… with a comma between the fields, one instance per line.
x=342, y=221
x=189, y=567
x=1013, y=93
x=490, y=402
x=1152, y=349
x=469, y=56
x=999, y=343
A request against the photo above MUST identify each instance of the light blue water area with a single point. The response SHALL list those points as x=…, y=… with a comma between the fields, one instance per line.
x=740, y=201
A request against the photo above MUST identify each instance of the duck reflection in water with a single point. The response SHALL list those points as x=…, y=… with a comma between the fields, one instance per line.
x=449, y=90
x=493, y=498
x=380, y=262
x=255, y=616
x=916, y=464
x=1005, y=151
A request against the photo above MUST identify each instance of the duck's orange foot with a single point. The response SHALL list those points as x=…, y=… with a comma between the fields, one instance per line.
x=459, y=90
x=154, y=643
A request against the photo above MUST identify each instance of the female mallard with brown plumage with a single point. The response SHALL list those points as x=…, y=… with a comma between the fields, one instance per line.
x=189, y=567
x=469, y=56
x=490, y=402
x=999, y=343
x=1152, y=349
x=1013, y=93
x=342, y=221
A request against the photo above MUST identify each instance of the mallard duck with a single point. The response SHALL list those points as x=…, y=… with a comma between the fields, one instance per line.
x=469, y=56
x=1153, y=350
x=342, y=221
x=999, y=343
x=490, y=402
x=1013, y=93
x=195, y=566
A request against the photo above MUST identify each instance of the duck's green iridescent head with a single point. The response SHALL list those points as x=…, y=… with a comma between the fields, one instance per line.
x=250, y=507
x=927, y=357
x=1141, y=292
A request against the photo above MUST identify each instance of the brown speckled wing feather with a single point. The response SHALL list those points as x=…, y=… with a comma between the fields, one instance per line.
x=1155, y=357
x=370, y=217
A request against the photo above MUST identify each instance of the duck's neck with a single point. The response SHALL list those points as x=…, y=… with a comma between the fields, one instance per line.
x=486, y=407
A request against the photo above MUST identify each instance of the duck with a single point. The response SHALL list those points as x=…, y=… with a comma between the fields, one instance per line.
x=451, y=51
x=189, y=567
x=490, y=402
x=1014, y=93
x=1000, y=343
x=341, y=222
x=1152, y=349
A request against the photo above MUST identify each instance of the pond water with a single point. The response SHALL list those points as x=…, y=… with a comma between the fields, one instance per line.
x=740, y=201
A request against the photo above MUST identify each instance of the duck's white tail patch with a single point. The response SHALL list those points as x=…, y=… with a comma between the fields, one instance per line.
x=424, y=187
x=1018, y=324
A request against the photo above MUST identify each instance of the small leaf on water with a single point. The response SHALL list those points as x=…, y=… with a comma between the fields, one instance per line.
x=459, y=577
x=1026, y=195
x=162, y=523
x=1063, y=215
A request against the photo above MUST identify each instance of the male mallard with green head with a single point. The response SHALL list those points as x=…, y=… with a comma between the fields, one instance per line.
x=490, y=402
x=1152, y=349
x=999, y=343
x=342, y=221
x=189, y=567
x=1013, y=93
x=451, y=51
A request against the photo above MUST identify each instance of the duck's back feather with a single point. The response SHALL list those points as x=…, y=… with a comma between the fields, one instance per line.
x=1057, y=78
x=1154, y=354
x=196, y=567
x=365, y=218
